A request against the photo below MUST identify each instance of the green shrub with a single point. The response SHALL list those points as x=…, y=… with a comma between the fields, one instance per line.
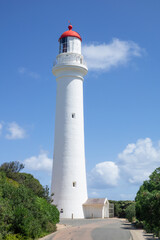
x=130, y=212
x=14, y=237
x=120, y=208
x=51, y=227
x=49, y=212
x=24, y=214
x=138, y=224
x=148, y=203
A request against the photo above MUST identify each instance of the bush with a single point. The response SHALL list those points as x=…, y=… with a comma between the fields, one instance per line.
x=14, y=237
x=50, y=227
x=11, y=168
x=148, y=203
x=12, y=171
x=23, y=214
x=130, y=212
x=138, y=224
x=120, y=208
x=49, y=212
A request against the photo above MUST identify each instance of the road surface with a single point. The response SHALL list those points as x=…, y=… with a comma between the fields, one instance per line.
x=92, y=229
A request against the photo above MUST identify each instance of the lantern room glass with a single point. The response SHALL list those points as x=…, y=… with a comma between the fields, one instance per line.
x=69, y=45
x=63, y=45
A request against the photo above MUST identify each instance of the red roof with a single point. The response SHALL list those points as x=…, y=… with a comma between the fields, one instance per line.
x=70, y=33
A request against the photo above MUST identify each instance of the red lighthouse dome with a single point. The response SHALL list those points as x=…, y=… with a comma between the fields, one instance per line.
x=70, y=33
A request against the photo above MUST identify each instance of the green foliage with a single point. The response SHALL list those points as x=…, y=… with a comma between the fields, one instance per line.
x=120, y=208
x=24, y=213
x=148, y=203
x=138, y=224
x=15, y=237
x=12, y=171
x=12, y=182
x=30, y=182
x=11, y=168
x=48, y=210
x=131, y=212
x=6, y=217
x=50, y=227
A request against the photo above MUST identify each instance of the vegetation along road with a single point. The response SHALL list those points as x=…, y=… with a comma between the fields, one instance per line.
x=96, y=229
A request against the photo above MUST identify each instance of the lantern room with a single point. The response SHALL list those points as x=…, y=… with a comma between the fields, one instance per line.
x=70, y=42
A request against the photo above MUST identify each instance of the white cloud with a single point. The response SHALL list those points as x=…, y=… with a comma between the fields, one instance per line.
x=1, y=126
x=40, y=162
x=105, y=56
x=104, y=174
x=22, y=70
x=34, y=75
x=94, y=194
x=138, y=160
x=25, y=71
x=15, y=131
x=135, y=163
x=128, y=196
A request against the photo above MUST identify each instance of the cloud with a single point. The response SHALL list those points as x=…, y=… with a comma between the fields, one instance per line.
x=25, y=71
x=1, y=126
x=15, y=131
x=104, y=174
x=34, y=75
x=22, y=70
x=138, y=160
x=40, y=162
x=128, y=196
x=105, y=56
x=133, y=166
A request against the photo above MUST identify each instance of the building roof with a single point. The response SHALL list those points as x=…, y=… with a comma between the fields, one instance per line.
x=70, y=33
x=95, y=201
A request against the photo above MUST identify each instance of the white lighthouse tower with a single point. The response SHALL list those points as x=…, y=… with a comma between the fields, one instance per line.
x=69, y=174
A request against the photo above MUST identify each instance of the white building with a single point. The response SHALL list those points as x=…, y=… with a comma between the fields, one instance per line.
x=96, y=208
x=69, y=173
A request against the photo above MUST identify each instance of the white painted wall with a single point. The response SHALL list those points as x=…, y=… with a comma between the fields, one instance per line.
x=93, y=211
x=106, y=210
x=70, y=59
x=69, y=153
x=96, y=210
x=74, y=45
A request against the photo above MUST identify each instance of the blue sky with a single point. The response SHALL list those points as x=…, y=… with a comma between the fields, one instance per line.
x=121, y=44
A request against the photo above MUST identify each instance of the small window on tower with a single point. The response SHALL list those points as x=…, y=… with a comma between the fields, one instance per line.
x=73, y=115
x=61, y=210
x=74, y=184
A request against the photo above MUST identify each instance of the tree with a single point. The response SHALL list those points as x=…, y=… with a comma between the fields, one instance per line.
x=12, y=171
x=130, y=212
x=25, y=209
x=120, y=207
x=11, y=168
x=148, y=203
x=30, y=182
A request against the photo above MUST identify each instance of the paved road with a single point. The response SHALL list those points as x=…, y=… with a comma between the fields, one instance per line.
x=113, y=231
x=92, y=229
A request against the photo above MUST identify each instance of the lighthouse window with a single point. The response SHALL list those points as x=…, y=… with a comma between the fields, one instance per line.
x=73, y=115
x=61, y=210
x=74, y=184
x=63, y=45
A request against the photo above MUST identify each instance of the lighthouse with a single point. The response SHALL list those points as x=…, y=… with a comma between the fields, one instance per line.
x=69, y=173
